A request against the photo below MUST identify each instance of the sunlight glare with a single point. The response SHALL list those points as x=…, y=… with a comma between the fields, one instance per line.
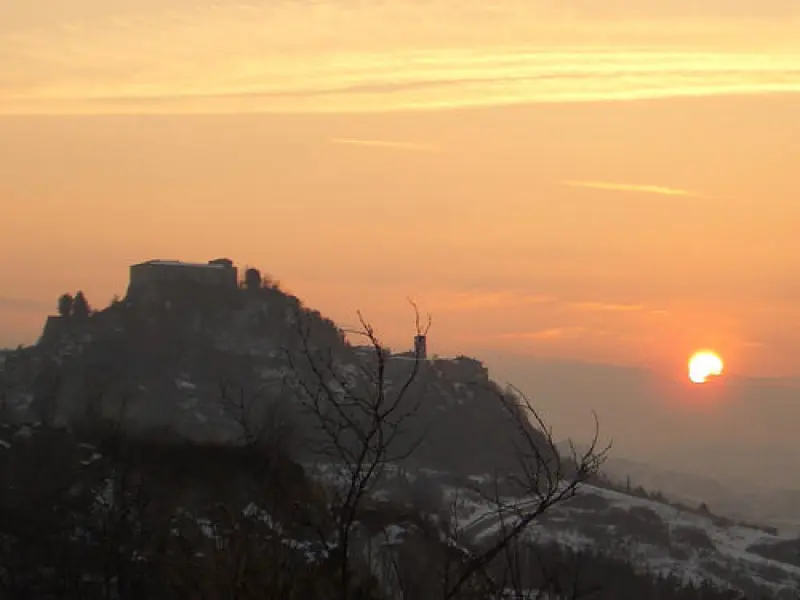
x=704, y=364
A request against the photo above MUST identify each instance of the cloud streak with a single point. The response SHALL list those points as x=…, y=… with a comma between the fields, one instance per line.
x=464, y=301
x=549, y=334
x=634, y=188
x=605, y=307
x=387, y=145
x=246, y=58
x=485, y=300
x=554, y=333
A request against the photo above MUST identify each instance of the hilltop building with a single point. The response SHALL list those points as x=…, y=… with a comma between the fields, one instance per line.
x=420, y=350
x=149, y=277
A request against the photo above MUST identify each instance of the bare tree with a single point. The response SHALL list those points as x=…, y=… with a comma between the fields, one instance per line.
x=264, y=420
x=542, y=480
x=359, y=412
x=358, y=415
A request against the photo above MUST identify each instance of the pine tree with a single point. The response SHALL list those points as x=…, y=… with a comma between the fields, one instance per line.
x=65, y=305
x=80, y=308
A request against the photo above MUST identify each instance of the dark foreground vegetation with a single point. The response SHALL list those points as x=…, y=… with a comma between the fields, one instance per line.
x=94, y=515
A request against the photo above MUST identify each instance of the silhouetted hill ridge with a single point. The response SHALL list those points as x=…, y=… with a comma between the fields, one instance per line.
x=163, y=366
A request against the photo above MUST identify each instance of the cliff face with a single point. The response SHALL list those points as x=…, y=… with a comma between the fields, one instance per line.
x=61, y=333
x=195, y=367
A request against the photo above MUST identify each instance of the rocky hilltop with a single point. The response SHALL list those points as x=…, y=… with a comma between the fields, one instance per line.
x=187, y=359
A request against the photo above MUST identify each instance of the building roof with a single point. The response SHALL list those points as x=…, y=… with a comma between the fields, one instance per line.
x=178, y=263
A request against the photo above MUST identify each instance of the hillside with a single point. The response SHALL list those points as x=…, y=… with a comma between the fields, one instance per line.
x=192, y=365
x=665, y=540
x=189, y=496
x=236, y=419
x=692, y=547
x=736, y=498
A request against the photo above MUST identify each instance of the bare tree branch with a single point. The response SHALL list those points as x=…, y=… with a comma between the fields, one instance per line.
x=541, y=477
x=359, y=416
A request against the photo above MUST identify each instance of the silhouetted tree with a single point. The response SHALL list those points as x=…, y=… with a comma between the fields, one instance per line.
x=359, y=426
x=65, y=304
x=80, y=307
x=252, y=279
x=361, y=423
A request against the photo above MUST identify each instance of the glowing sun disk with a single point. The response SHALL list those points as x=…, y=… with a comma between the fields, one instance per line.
x=703, y=365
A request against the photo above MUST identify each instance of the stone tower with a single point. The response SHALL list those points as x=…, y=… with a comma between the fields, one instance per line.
x=421, y=346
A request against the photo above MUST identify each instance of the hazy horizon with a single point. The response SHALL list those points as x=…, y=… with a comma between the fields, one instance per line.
x=605, y=185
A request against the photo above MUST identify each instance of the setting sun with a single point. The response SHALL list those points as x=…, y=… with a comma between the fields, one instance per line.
x=703, y=365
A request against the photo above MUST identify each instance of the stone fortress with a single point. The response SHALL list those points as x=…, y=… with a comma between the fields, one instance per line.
x=151, y=281
x=148, y=277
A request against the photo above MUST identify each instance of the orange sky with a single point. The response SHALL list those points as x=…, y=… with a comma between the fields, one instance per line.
x=614, y=187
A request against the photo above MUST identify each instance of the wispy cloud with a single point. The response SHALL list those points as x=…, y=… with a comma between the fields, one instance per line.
x=605, y=307
x=288, y=57
x=464, y=301
x=635, y=188
x=476, y=301
x=387, y=145
x=543, y=335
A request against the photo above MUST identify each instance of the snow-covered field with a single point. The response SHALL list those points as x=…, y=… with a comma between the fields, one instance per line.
x=654, y=535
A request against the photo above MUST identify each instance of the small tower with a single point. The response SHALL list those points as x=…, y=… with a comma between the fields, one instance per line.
x=420, y=347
